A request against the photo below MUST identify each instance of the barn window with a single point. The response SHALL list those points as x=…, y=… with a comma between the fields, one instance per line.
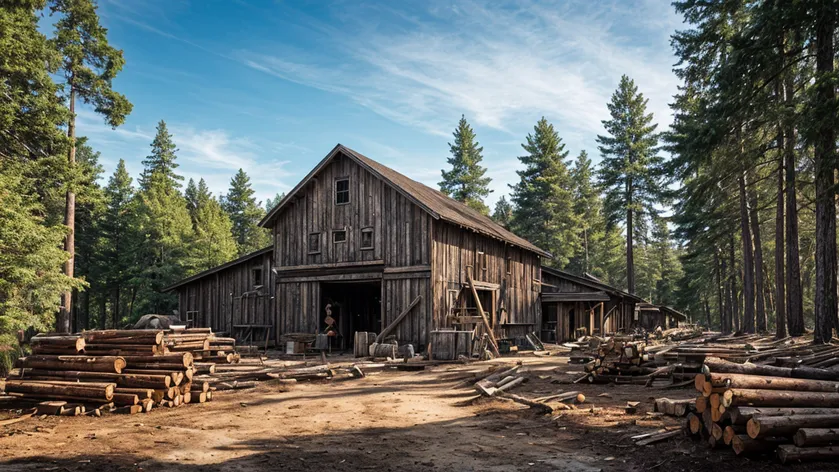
x=367, y=238
x=314, y=243
x=509, y=262
x=256, y=276
x=342, y=191
x=339, y=236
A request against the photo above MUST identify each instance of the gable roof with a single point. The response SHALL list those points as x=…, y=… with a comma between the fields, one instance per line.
x=592, y=282
x=215, y=269
x=437, y=204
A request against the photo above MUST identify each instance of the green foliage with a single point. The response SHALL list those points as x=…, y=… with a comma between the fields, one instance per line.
x=465, y=182
x=89, y=63
x=30, y=254
x=630, y=169
x=503, y=213
x=543, y=196
x=214, y=243
x=245, y=213
x=272, y=202
x=162, y=160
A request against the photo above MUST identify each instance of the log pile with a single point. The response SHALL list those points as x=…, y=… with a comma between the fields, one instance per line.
x=792, y=411
x=127, y=371
x=631, y=361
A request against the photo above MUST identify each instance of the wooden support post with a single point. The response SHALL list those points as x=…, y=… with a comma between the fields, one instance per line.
x=492, y=341
x=398, y=319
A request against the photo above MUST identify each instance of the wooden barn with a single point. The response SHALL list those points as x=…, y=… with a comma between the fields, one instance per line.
x=652, y=316
x=368, y=243
x=570, y=302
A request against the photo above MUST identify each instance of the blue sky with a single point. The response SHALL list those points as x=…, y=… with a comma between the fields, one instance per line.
x=272, y=86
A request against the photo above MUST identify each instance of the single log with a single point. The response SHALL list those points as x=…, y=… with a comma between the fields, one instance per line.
x=142, y=393
x=699, y=382
x=540, y=407
x=717, y=365
x=154, y=334
x=725, y=380
x=716, y=431
x=128, y=410
x=701, y=404
x=180, y=358
x=694, y=424
x=659, y=437
x=808, y=437
x=71, y=341
x=93, y=391
x=175, y=377
x=768, y=426
x=147, y=404
x=125, y=399
x=200, y=387
x=753, y=397
x=198, y=397
x=204, y=368
x=788, y=453
x=743, y=445
x=82, y=363
x=158, y=366
x=742, y=414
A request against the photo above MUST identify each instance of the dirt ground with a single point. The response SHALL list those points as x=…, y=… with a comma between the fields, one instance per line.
x=393, y=421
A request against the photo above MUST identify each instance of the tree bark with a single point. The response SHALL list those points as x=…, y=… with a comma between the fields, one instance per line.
x=816, y=437
x=735, y=299
x=718, y=271
x=630, y=255
x=790, y=453
x=62, y=324
x=825, y=155
x=794, y=300
x=754, y=397
x=748, y=260
x=780, y=292
x=727, y=380
x=760, y=300
x=769, y=426
x=716, y=365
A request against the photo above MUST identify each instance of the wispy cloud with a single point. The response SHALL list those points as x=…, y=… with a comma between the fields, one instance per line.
x=495, y=62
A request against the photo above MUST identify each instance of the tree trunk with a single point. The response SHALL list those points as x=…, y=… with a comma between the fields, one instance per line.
x=62, y=324
x=787, y=398
x=780, y=307
x=769, y=426
x=707, y=311
x=748, y=260
x=790, y=453
x=760, y=300
x=794, y=300
x=816, y=437
x=630, y=256
x=825, y=155
x=720, y=302
x=735, y=299
x=725, y=315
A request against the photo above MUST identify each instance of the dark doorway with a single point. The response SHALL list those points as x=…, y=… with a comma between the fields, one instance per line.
x=356, y=306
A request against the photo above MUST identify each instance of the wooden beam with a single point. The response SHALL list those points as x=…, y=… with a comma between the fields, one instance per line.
x=414, y=268
x=492, y=341
x=398, y=319
x=333, y=265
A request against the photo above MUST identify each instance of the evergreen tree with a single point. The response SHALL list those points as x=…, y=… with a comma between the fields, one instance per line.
x=119, y=239
x=214, y=243
x=272, y=202
x=89, y=66
x=162, y=159
x=166, y=226
x=503, y=213
x=465, y=182
x=629, y=171
x=543, y=197
x=245, y=213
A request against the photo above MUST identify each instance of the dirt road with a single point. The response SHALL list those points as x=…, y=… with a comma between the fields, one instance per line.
x=399, y=421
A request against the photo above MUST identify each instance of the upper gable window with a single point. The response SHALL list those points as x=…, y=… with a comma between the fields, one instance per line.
x=256, y=275
x=367, y=238
x=342, y=191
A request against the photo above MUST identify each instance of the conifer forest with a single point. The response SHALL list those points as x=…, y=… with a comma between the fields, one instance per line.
x=728, y=215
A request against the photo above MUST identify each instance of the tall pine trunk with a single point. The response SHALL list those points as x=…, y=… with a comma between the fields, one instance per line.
x=720, y=300
x=62, y=324
x=825, y=154
x=630, y=250
x=760, y=295
x=794, y=299
x=726, y=316
x=735, y=297
x=780, y=297
x=748, y=261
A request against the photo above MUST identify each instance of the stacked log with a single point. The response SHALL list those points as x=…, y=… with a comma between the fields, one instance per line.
x=792, y=410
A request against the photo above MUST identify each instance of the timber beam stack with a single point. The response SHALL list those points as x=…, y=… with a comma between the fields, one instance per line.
x=792, y=412
x=632, y=362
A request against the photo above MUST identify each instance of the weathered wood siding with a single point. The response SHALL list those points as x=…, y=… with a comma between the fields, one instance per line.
x=617, y=319
x=456, y=250
x=230, y=295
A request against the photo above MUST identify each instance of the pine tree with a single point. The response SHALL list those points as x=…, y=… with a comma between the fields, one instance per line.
x=465, y=182
x=162, y=159
x=245, y=213
x=629, y=171
x=118, y=228
x=503, y=213
x=272, y=202
x=543, y=197
x=214, y=243
x=89, y=66
x=166, y=226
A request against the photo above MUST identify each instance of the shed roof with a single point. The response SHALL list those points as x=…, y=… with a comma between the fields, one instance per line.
x=215, y=269
x=437, y=204
x=592, y=282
